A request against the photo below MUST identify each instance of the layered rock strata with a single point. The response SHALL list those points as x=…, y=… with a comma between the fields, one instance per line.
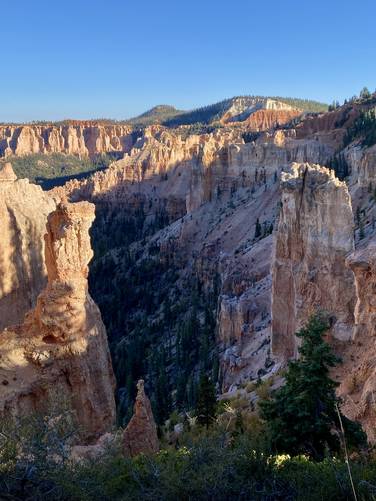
x=24, y=208
x=357, y=373
x=314, y=236
x=73, y=139
x=60, y=351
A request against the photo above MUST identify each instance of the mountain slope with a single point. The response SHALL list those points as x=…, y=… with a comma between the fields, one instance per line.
x=157, y=114
x=241, y=107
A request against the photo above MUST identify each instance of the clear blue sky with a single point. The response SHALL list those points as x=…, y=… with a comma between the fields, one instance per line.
x=117, y=58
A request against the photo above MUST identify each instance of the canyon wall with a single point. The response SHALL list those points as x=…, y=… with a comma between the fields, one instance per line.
x=357, y=373
x=24, y=208
x=60, y=351
x=82, y=140
x=263, y=120
x=314, y=235
x=186, y=172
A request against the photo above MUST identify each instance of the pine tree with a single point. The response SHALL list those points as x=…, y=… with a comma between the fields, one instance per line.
x=257, y=228
x=365, y=93
x=206, y=406
x=302, y=414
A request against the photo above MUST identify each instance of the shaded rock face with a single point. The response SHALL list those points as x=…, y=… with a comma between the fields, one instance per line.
x=140, y=436
x=244, y=317
x=24, y=208
x=74, y=139
x=357, y=372
x=363, y=166
x=315, y=233
x=61, y=350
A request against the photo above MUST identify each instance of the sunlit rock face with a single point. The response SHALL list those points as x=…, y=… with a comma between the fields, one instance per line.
x=82, y=139
x=314, y=235
x=60, y=351
x=24, y=208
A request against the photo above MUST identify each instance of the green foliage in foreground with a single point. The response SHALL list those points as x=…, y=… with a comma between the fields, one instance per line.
x=303, y=415
x=217, y=465
x=55, y=169
x=206, y=406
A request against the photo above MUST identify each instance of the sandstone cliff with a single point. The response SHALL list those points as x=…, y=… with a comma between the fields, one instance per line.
x=24, y=208
x=61, y=351
x=186, y=172
x=357, y=373
x=74, y=139
x=263, y=120
x=315, y=233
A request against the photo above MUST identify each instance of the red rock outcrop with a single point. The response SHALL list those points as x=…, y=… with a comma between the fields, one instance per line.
x=61, y=350
x=24, y=208
x=263, y=120
x=315, y=233
x=74, y=139
x=140, y=436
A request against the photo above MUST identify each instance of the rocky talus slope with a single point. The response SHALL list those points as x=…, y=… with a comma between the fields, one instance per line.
x=24, y=208
x=60, y=352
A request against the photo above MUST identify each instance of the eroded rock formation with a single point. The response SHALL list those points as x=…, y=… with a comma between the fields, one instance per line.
x=61, y=350
x=357, y=372
x=315, y=233
x=140, y=436
x=88, y=139
x=263, y=120
x=24, y=208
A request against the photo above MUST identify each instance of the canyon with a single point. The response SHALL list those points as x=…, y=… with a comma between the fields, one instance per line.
x=211, y=250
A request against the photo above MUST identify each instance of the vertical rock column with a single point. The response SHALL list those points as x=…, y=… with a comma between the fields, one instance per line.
x=314, y=235
x=61, y=349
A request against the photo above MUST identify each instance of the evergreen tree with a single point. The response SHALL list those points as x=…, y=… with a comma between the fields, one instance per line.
x=361, y=230
x=258, y=228
x=302, y=415
x=365, y=93
x=206, y=405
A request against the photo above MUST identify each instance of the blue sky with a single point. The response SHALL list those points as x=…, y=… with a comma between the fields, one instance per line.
x=116, y=58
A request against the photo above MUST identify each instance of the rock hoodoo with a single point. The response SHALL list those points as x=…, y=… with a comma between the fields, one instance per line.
x=61, y=350
x=315, y=233
x=83, y=139
x=140, y=436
